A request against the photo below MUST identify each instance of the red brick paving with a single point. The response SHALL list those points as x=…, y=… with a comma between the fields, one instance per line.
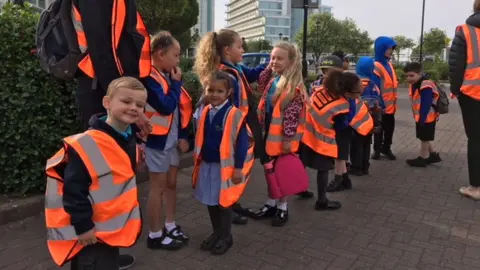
x=397, y=218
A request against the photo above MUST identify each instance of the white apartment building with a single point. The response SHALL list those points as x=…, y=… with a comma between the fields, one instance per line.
x=266, y=19
x=206, y=17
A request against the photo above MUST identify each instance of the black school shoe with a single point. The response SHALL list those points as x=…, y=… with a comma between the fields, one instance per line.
x=417, y=162
x=125, y=261
x=327, y=205
x=222, y=246
x=239, y=219
x=156, y=243
x=339, y=183
x=177, y=234
x=266, y=211
x=305, y=194
x=355, y=171
x=434, y=157
x=246, y=212
x=389, y=154
x=209, y=243
x=375, y=155
x=280, y=219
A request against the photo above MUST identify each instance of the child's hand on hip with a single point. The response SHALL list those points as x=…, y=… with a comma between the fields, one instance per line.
x=87, y=238
x=183, y=145
x=237, y=176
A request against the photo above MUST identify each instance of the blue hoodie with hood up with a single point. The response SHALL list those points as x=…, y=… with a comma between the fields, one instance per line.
x=364, y=70
x=382, y=44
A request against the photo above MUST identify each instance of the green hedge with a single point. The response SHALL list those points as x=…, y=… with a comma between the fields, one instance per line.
x=37, y=111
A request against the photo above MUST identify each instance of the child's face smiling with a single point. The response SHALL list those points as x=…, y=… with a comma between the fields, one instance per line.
x=125, y=106
x=217, y=92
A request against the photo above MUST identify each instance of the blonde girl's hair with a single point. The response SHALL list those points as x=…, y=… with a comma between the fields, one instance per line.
x=209, y=53
x=476, y=6
x=291, y=78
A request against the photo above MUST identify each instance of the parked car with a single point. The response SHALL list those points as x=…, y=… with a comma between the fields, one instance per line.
x=254, y=59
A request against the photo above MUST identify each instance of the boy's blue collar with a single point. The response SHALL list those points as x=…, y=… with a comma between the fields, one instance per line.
x=126, y=132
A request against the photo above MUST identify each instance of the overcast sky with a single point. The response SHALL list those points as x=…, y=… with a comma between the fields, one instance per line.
x=389, y=17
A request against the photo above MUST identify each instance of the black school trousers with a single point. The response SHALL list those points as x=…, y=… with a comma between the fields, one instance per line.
x=470, y=113
x=383, y=139
x=360, y=151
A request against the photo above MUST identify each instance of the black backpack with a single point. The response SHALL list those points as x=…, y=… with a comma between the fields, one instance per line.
x=442, y=104
x=56, y=40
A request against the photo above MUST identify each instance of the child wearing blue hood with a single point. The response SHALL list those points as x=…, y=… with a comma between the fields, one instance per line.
x=386, y=80
x=360, y=145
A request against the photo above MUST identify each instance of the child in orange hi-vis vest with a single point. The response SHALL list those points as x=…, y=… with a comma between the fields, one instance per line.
x=224, y=157
x=170, y=110
x=91, y=201
x=281, y=111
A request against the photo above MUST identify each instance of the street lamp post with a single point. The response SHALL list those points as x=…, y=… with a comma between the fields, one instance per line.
x=305, y=30
x=421, y=34
x=317, y=40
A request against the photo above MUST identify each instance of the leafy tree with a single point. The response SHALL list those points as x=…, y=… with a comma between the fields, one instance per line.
x=175, y=16
x=434, y=41
x=258, y=45
x=323, y=34
x=403, y=43
x=352, y=39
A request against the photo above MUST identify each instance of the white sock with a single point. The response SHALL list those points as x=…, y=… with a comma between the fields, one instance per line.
x=271, y=202
x=153, y=235
x=282, y=206
x=172, y=226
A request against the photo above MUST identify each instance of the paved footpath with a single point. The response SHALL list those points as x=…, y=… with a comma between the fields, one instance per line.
x=397, y=218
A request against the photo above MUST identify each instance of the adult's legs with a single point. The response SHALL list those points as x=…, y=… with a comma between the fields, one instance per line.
x=470, y=111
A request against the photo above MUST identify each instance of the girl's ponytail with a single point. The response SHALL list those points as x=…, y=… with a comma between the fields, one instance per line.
x=332, y=82
x=207, y=57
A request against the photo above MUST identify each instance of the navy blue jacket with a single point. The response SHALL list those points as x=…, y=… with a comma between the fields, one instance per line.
x=213, y=133
x=165, y=105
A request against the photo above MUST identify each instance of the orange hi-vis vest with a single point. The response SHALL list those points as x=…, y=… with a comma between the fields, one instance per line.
x=244, y=86
x=416, y=101
x=274, y=143
x=161, y=123
x=362, y=122
x=232, y=123
x=319, y=124
x=471, y=77
x=388, y=87
x=113, y=195
x=118, y=23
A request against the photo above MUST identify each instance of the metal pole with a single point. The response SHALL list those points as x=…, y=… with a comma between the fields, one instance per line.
x=421, y=35
x=305, y=30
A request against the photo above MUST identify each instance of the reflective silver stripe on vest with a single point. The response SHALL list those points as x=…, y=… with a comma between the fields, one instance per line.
x=324, y=120
x=244, y=103
x=78, y=26
x=156, y=119
x=318, y=136
x=53, y=161
x=474, y=45
x=230, y=161
x=114, y=224
x=107, y=191
x=382, y=88
x=364, y=119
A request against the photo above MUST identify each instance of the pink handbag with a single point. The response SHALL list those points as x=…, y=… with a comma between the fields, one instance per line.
x=285, y=176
